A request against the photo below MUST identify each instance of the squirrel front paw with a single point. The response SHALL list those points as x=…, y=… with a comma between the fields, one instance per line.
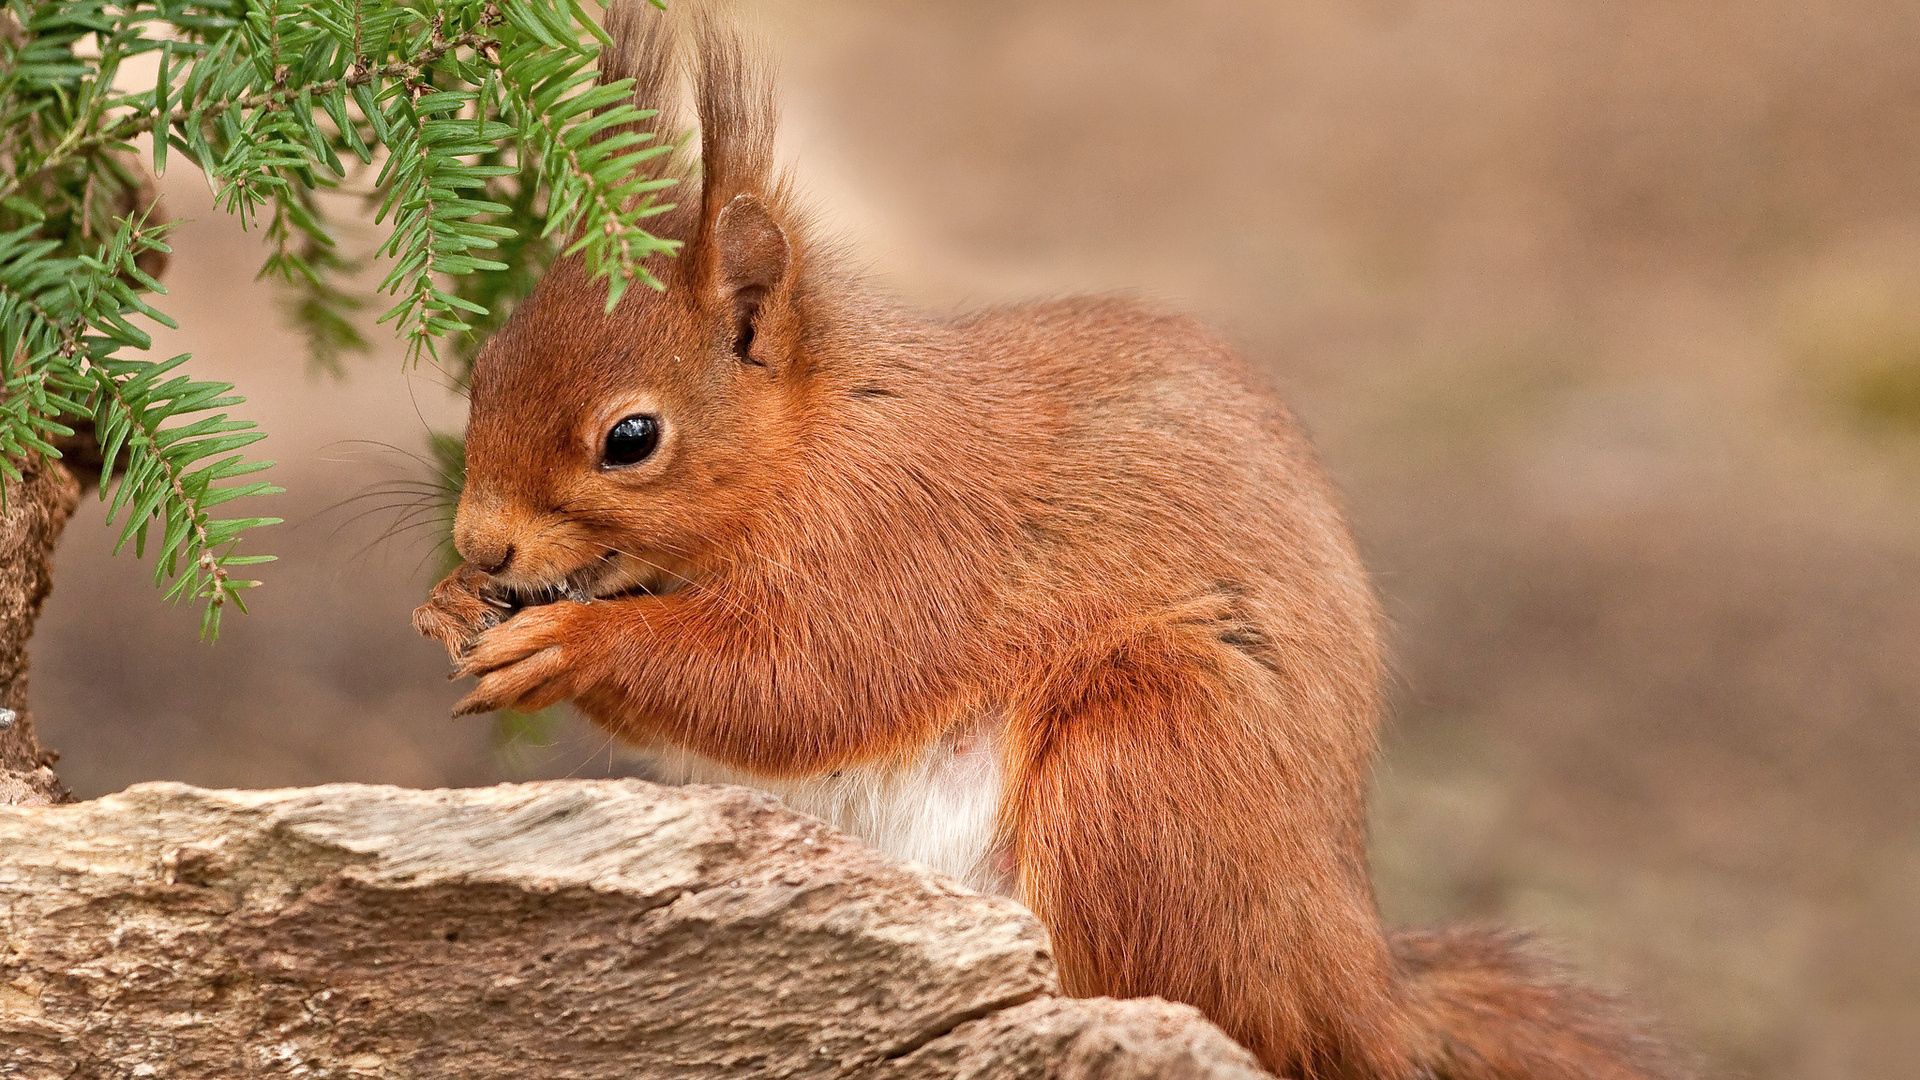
x=539, y=657
x=458, y=611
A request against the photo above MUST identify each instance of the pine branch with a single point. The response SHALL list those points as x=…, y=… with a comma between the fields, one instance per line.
x=67, y=321
x=122, y=131
x=590, y=177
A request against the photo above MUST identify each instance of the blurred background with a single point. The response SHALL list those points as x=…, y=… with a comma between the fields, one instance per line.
x=1605, y=316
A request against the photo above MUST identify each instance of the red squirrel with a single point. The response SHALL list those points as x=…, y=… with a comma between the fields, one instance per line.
x=1053, y=597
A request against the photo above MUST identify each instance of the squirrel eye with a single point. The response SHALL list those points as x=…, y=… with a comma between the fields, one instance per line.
x=631, y=441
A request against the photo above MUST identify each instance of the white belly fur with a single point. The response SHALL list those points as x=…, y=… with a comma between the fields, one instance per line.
x=939, y=809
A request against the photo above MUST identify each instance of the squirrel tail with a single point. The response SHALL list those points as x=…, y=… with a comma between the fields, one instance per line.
x=1489, y=1008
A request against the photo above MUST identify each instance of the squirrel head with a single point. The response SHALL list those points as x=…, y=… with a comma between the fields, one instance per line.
x=611, y=451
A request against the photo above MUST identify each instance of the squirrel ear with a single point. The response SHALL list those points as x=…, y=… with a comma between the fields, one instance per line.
x=751, y=260
x=749, y=247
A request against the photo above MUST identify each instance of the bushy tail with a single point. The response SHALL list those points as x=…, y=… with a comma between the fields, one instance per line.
x=1491, y=1009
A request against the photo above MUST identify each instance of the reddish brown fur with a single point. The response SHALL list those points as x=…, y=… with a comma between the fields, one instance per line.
x=1083, y=518
x=1491, y=1010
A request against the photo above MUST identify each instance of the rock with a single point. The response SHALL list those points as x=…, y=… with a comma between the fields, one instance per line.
x=568, y=929
x=1085, y=1039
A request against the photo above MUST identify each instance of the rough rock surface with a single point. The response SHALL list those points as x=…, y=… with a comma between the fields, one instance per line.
x=572, y=929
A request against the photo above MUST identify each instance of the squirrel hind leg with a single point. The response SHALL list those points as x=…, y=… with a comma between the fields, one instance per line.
x=1174, y=845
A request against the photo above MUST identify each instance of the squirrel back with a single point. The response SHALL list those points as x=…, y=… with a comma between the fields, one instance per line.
x=797, y=535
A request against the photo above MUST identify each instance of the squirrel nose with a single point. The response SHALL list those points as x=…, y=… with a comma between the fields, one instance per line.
x=499, y=564
x=487, y=554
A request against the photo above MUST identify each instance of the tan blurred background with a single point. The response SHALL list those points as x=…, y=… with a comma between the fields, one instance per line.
x=1607, y=317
